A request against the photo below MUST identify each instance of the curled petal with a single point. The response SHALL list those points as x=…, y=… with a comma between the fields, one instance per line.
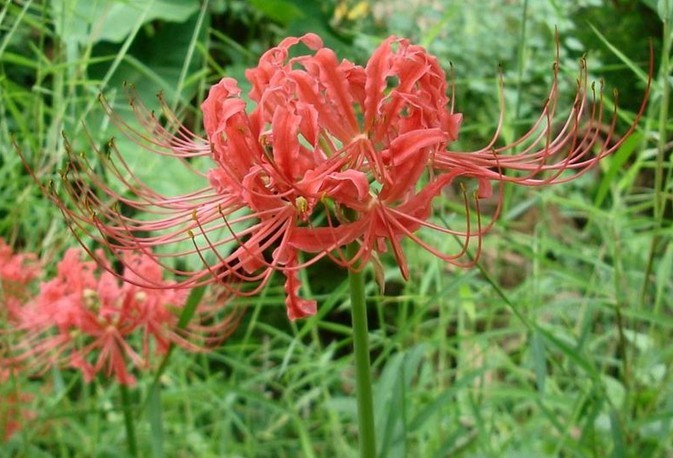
x=326, y=239
x=286, y=146
x=349, y=188
x=336, y=86
x=221, y=104
x=274, y=60
x=407, y=159
x=377, y=71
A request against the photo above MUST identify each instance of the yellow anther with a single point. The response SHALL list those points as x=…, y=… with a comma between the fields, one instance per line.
x=301, y=204
x=90, y=298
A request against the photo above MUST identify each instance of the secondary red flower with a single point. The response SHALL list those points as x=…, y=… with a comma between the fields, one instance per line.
x=89, y=320
x=17, y=270
x=329, y=154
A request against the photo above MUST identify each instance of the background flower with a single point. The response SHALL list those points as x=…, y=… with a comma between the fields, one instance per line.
x=17, y=270
x=86, y=318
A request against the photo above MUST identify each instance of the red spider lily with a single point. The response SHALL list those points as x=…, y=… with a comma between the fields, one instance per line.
x=331, y=154
x=17, y=270
x=93, y=322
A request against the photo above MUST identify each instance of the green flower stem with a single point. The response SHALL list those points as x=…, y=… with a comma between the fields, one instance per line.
x=193, y=300
x=128, y=420
x=659, y=182
x=363, y=376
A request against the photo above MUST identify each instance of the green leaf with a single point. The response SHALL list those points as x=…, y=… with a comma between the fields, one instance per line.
x=85, y=21
x=279, y=10
x=614, y=390
x=651, y=3
x=157, y=61
x=664, y=10
x=616, y=162
x=155, y=417
x=390, y=401
x=619, y=448
x=642, y=75
x=443, y=399
x=539, y=360
x=193, y=300
x=664, y=275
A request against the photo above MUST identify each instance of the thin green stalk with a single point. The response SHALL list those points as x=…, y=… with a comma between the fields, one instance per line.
x=193, y=300
x=155, y=414
x=190, y=54
x=129, y=424
x=521, y=58
x=363, y=378
x=619, y=281
x=659, y=183
x=663, y=118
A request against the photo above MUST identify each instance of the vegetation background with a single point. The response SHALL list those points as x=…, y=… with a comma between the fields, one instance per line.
x=556, y=344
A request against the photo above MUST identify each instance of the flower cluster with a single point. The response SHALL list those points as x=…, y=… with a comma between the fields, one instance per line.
x=331, y=154
x=17, y=270
x=87, y=319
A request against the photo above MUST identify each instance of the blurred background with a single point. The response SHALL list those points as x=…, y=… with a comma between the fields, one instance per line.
x=556, y=344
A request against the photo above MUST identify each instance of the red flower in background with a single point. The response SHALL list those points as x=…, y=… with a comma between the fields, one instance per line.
x=89, y=320
x=330, y=154
x=17, y=270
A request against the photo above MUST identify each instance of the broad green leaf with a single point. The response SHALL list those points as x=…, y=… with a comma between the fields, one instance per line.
x=86, y=21
x=280, y=11
x=664, y=9
x=390, y=401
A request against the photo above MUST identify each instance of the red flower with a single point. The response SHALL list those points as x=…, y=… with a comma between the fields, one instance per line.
x=330, y=154
x=17, y=270
x=91, y=321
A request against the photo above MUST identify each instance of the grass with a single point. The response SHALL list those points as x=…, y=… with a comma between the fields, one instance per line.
x=556, y=344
